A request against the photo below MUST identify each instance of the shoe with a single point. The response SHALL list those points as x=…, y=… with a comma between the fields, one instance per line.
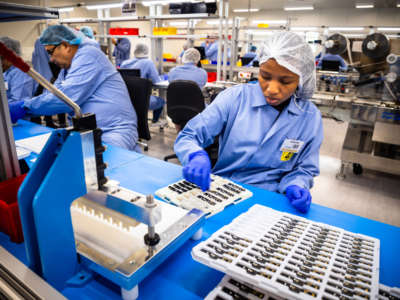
x=159, y=123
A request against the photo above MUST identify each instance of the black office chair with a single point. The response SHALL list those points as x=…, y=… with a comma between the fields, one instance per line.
x=139, y=91
x=184, y=101
x=130, y=72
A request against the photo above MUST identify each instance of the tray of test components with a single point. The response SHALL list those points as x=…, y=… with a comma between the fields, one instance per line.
x=292, y=257
x=388, y=293
x=222, y=192
x=231, y=289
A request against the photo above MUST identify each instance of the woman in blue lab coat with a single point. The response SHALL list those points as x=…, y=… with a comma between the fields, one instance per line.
x=269, y=132
x=147, y=70
x=189, y=70
x=18, y=84
x=91, y=81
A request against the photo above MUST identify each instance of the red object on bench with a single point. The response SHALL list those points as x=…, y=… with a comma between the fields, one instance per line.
x=10, y=221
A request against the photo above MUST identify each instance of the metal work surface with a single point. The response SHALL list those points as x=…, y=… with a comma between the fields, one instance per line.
x=180, y=275
x=18, y=282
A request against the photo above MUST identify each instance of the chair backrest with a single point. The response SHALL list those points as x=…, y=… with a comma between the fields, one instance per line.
x=139, y=91
x=184, y=101
x=130, y=72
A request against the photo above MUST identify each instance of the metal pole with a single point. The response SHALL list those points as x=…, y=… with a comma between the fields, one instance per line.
x=234, y=41
x=225, y=60
x=9, y=166
x=221, y=11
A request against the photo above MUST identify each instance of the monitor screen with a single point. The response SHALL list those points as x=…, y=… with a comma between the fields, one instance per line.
x=330, y=65
x=246, y=60
x=202, y=52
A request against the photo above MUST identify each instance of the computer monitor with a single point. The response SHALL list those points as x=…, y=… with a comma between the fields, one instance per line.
x=130, y=72
x=202, y=52
x=246, y=60
x=330, y=65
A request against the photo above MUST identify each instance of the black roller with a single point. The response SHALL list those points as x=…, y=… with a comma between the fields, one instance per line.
x=376, y=46
x=339, y=44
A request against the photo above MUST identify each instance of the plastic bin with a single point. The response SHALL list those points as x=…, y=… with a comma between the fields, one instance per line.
x=10, y=222
x=211, y=76
x=124, y=31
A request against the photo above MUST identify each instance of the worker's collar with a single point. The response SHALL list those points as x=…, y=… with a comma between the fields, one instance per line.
x=259, y=100
x=189, y=64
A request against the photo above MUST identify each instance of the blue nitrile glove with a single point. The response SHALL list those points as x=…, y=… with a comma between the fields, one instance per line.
x=17, y=110
x=300, y=198
x=198, y=169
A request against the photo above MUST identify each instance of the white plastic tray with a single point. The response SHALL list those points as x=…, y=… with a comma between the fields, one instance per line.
x=293, y=257
x=222, y=193
x=388, y=293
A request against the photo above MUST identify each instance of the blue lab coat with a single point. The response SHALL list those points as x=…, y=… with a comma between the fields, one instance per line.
x=92, y=42
x=122, y=51
x=40, y=62
x=251, y=136
x=147, y=70
x=212, y=52
x=97, y=87
x=19, y=85
x=334, y=57
x=189, y=71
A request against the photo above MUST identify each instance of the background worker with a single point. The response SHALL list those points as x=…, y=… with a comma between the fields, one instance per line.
x=91, y=81
x=147, y=70
x=189, y=70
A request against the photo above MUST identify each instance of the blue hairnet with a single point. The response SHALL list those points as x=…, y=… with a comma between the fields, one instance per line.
x=56, y=34
x=11, y=44
x=292, y=52
x=253, y=48
x=88, y=31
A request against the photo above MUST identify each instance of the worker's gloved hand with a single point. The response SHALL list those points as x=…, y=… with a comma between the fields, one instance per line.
x=198, y=169
x=17, y=110
x=300, y=198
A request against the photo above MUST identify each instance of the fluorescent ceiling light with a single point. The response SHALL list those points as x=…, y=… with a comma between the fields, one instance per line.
x=346, y=28
x=309, y=28
x=398, y=5
x=388, y=28
x=65, y=9
x=160, y=2
x=104, y=6
x=393, y=36
x=310, y=7
x=354, y=35
x=216, y=22
x=269, y=22
x=74, y=20
x=246, y=10
x=178, y=23
x=364, y=6
x=258, y=32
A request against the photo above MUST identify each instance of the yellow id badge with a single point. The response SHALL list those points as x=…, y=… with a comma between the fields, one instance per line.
x=286, y=156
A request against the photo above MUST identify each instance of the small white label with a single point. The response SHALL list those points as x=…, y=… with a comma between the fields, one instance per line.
x=291, y=146
x=6, y=85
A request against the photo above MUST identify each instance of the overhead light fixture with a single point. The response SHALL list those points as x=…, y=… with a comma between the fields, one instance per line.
x=216, y=22
x=364, y=5
x=309, y=7
x=178, y=23
x=255, y=32
x=275, y=22
x=160, y=2
x=398, y=5
x=307, y=28
x=346, y=28
x=104, y=6
x=74, y=20
x=65, y=9
x=388, y=28
x=393, y=36
x=246, y=10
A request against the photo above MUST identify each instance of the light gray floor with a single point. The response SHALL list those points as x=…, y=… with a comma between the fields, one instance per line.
x=372, y=195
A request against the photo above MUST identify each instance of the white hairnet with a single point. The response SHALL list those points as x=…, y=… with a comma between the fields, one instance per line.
x=11, y=44
x=191, y=55
x=141, y=50
x=292, y=52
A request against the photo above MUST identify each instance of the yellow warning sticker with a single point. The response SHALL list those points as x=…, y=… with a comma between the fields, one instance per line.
x=286, y=156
